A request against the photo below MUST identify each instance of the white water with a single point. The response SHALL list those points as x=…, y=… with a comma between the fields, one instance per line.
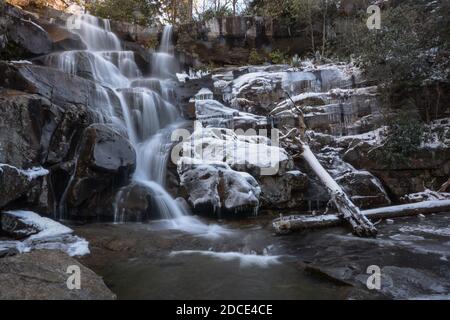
x=147, y=111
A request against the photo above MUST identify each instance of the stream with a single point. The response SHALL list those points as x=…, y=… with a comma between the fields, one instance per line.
x=146, y=261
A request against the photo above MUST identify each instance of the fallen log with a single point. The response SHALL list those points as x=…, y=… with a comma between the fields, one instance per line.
x=289, y=224
x=347, y=209
x=445, y=186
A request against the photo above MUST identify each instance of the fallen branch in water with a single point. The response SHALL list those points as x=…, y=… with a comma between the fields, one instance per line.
x=445, y=186
x=347, y=210
x=289, y=224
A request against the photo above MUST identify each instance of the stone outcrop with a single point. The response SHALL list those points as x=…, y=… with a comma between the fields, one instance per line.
x=229, y=40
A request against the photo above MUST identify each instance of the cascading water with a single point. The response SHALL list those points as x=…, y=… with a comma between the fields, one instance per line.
x=146, y=112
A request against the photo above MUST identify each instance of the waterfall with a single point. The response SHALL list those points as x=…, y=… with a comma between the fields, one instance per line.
x=164, y=64
x=146, y=109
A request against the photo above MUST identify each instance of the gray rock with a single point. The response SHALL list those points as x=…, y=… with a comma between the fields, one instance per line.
x=133, y=203
x=42, y=275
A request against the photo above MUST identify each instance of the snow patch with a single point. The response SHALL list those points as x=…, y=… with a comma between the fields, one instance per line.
x=52, y=236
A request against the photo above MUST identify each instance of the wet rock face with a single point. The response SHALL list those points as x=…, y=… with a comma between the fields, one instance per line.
x=105, y=150
x=215, y=188
x=62, y=39
x=42, y=275
x=27, y=123
x=61, y=88
x=133, y=203
x=106, y=160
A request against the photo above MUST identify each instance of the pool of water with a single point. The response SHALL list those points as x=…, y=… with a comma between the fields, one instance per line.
x=246, y=262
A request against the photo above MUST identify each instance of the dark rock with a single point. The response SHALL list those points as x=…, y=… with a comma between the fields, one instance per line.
x=15, y=228
x=133, y=203
x=60, y=88
x=27, y=123
x=106, y=159
x=14, y=184
x=364, y=189
x=104, y=150
x=68, y=133
x=42, y=275
x=276, y=191
x=425, y=166
x=24, y=34
x=29, y=36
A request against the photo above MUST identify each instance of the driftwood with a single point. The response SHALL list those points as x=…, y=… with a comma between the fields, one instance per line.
x=347, y=209
x=288, y=224
x=445, y=186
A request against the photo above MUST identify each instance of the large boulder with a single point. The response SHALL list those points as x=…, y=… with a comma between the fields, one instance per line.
x=365, y=190
x=216, y=189
x=42, y=275
x=23, y=37
x=106, y=160
x=16, y=228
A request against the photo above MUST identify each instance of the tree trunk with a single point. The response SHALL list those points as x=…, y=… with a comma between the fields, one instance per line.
x=296, y=223
x=324, y=31
x=347, y=210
